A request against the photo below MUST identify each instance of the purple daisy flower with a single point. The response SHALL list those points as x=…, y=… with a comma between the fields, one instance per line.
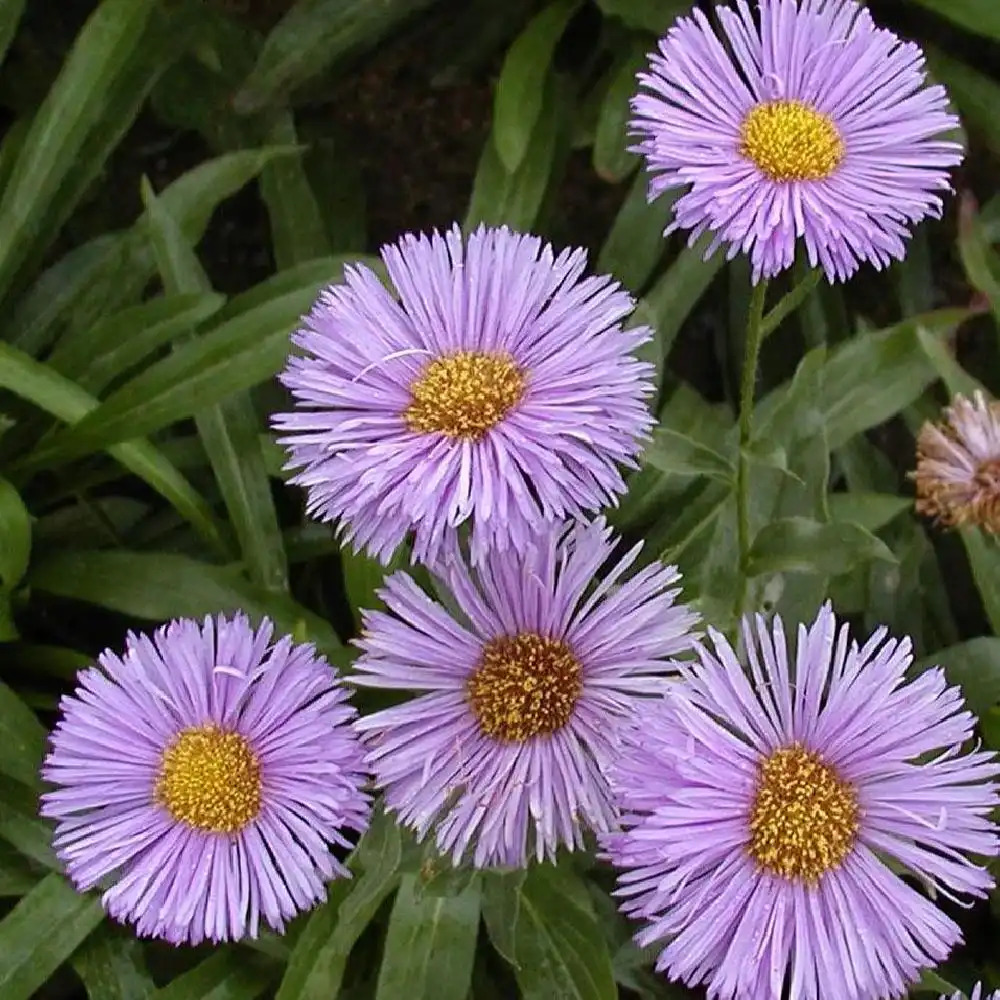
x=812, y=124
x=958, y=465
x=526, y=683
x=974, y=995
x=496, y=385
x=201, y=778
x=763, y=807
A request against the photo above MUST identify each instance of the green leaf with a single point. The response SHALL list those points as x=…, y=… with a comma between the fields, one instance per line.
x=675, y=294
x=670, y=451
x=981, y=17
x=517, y=106
x=313, y=274
x=430, y=945
x=191, y=200
x=660, y=506
x=874, y=376
x=870, y=510
x=234, y=356
x=227, y=975
x=954, y=376
x=96, y=357
x=789, y=303
x=500, y=197
x=437, y=876
x=931, y=982
x=647, y=15
x=228, y=431
x=559, y=948
x=984, y=560
x=634, y=246
x=989, y=726
x=41, y=932
x=501, y=906
x=612, y=159
x=801, y=545
x=10, y=15
x=62, y=398
x=51, y=661
x=77, y=105
x=316, y=968
x=15, y=536
x=771, y=455
x=311, y=38
x=20, y=825
x=974, y=666
x=162, y=585
x=17, y=878
x=112, y=966
x=297, y=230
x=55, y=293
x=22, y=738
x=363, y=576
x=112, y=271
x=976, y=94
x=981, y=262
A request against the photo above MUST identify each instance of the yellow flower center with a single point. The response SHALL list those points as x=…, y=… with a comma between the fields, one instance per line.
x=790, y=141
x=805, y=819
x=463, y=395
x=210, y=779
x=524, y=685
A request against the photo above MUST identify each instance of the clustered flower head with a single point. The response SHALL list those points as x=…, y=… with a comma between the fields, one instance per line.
x=762, y=801
x=958, y=465
x=495, y=385
x=807, y=123
x=202, y=777
x=524, y=687
x=780, y=820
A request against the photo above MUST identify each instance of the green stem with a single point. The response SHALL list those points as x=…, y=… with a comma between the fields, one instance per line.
x=747, y=384
x=790, y=303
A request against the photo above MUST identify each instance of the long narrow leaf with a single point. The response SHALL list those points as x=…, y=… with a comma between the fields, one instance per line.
x=118, y=267
x=39, y=384
x=97, y=356
x=518, y=103
x=242, y=352
x=310, y=38
x=112, y=966
x=227, y=975
x=22, y=738
x=162, y=585
x=77, y=104
x=10, y=16
x=297, y=232
x=229, y=429
x=41, y=932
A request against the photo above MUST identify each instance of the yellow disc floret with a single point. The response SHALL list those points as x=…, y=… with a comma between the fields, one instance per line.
x=210, y=779
x=789, y=141
x=804, y=820
x=464, y=395
x=523, y=686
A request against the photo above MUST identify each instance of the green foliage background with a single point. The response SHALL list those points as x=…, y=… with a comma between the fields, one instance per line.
x=178, y=179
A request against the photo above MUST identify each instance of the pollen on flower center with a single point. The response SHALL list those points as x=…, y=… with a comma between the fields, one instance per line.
x=210, y=779
x=465, y=394
x=523, y=686
x=790, y=141
x=988, y=476
x=804, y=819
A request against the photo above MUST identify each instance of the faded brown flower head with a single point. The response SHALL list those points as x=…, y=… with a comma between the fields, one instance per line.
x=958, y=465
